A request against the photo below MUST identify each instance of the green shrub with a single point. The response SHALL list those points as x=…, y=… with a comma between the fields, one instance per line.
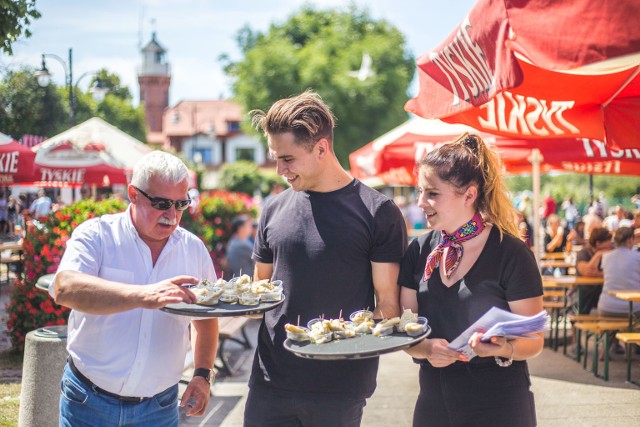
x=211, y=221
x=241, y=176
x=30, y=308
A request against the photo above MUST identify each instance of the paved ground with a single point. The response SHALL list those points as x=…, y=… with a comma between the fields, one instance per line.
x=566, y=395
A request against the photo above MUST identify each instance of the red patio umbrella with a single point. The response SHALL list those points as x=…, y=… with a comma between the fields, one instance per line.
x=101, y=175
x=539, y=69
x=479, y=73
x=65, y=164
x=16, y=161
x=391, y=158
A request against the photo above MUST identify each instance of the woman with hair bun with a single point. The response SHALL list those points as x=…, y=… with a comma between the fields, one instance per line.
x=470, y=260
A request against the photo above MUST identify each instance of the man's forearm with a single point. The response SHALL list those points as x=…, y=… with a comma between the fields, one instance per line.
x=387, y=310
x=91, y=294
x=204, y=335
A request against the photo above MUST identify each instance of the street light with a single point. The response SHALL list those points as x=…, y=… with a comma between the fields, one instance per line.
x=44, y=78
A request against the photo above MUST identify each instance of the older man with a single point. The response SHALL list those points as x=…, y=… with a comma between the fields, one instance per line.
x=126, y=357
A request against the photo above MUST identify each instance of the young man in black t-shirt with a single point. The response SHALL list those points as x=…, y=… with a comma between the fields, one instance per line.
x=336, y=245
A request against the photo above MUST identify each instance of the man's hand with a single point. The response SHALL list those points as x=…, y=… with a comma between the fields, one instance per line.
x=196, y=396
x=170, y=291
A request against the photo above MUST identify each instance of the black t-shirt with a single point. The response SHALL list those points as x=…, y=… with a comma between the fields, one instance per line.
x=585, y=255
x=321, y=246
x=563, y=244
x=505, y=271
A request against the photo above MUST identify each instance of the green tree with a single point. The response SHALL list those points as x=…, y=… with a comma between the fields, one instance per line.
x=15, y=19
x=321, y=49
x=123, y=115
x=112, y=83
x=241, y=176
x=27, y=108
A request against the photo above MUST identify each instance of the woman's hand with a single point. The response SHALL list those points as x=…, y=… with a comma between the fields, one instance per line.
x=497, y=346
x=439, y=355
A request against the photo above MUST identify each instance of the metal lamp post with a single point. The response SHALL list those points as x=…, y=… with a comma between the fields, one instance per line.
x=44, y=78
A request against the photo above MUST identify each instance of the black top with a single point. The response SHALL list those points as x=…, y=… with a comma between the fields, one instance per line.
x=563, y=244
x=321, y=246
x=584, y=255
x=505, y=271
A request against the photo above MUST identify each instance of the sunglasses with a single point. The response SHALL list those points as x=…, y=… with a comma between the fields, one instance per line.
x=163, y=204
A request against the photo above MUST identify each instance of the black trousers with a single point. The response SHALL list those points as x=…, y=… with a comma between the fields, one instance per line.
x=268, y=407
x=475, y=395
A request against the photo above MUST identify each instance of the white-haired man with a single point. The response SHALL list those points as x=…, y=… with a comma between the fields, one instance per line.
x=126, y=357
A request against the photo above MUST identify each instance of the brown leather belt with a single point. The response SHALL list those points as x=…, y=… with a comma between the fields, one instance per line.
x=88, y=382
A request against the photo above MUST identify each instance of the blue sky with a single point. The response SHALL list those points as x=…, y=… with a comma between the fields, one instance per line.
x=107, y=34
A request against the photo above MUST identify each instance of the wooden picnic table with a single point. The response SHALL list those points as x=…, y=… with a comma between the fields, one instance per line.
x=571, y=281
x=631, y=296
x=10, y=252
x=553, y=255
x=556, y=263
x=568, y=282
x=12, y=246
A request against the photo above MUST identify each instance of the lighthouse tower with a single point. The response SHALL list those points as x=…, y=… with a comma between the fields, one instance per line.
x=154, y=78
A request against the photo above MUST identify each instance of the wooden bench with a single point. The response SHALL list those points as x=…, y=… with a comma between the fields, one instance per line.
x=231, y=329
x=6, y=261
x=593, y=318
x=555, y=302
x=601, y=331
x=574, y=317
x=628, y=339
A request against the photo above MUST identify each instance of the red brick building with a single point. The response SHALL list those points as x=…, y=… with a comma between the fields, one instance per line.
x=204, y=131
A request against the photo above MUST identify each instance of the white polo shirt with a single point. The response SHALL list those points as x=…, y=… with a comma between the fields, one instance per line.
x=138, y=352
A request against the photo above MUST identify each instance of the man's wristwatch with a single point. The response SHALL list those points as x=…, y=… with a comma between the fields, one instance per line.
x=205, y=373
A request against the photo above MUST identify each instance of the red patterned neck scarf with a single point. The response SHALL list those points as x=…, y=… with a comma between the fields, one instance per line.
x=467, y=232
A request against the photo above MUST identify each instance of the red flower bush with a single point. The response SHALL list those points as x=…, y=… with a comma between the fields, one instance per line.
x=211, y=220
x=30, y=308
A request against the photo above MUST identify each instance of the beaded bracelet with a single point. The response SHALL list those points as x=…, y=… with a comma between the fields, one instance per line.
x=505, y=363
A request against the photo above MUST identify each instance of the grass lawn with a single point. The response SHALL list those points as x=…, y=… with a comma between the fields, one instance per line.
x=10, y=387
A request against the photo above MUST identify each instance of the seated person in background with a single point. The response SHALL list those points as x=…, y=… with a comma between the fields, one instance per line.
x=588, y=264
x=628, y=220
x=239, y=248
x=636, y=228
x=576, y=236
x=635, y=199
x=526, y=234
x=621, y=268
x=612, y=221
x=591, y=221
x=555, y=237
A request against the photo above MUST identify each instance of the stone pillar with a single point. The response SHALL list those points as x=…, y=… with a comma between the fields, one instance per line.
x=45, y=355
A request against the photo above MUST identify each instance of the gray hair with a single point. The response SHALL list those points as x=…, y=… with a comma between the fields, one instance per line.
x=159, y=164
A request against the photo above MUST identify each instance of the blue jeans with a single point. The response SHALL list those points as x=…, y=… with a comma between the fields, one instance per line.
x=81, y=406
